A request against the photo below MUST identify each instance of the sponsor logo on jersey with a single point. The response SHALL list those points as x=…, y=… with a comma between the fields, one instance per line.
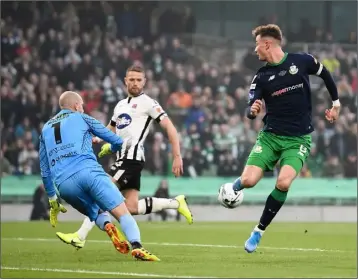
x=293, y=69
x=287, y=89
x=159, y=110
x=67, y=155
x=63, y=147
x=123, y=121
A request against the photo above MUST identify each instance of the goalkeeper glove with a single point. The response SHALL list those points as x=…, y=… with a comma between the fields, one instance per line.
x=108, y=148
x=55, y=209
x=105, y=150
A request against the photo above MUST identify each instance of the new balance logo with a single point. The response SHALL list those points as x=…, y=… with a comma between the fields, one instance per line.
x=271, y=77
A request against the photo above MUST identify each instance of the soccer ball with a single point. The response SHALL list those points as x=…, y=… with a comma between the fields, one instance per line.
x=228, y=197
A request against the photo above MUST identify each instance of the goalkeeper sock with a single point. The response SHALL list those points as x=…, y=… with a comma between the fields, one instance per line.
x=84, y=230
x=273, y=204
x=149, y=205
x=102, y=220
x=130, y=228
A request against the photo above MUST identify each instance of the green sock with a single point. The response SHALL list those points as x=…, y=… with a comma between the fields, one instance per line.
x=273, y=204
x=279, y=195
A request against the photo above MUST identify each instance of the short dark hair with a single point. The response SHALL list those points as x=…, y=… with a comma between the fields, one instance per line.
x=135, y=68
x=269, y=30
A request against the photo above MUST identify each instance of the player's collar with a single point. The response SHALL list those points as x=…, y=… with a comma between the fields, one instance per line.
x=136, y=96
x=65, y=110
x=279, y=63
x=131, y=97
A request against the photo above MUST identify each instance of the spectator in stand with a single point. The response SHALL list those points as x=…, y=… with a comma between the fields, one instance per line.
x=41, y=206
x=75, y=46
x=332, y=168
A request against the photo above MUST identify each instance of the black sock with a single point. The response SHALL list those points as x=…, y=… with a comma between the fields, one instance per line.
x=136, y=245
x=273, y=204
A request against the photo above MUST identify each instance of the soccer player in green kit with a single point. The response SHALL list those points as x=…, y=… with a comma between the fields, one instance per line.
x=283, y=83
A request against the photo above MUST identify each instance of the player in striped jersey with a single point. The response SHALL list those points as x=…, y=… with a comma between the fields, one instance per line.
x=131, y=121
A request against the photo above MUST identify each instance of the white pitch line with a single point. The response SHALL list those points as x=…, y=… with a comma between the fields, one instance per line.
x=78, y=271
x=191, y=245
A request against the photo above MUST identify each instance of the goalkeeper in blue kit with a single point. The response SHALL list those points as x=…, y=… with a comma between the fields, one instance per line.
x=67, y=161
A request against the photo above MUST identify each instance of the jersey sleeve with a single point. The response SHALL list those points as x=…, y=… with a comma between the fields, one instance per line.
x=255, y=91
x=99, y=130
x=155, y=111
x=114, y=116
x=44, y=165
x=45, y=170
x=314, y=67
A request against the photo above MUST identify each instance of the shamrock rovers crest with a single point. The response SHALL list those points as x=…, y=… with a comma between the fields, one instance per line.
x=293, y=70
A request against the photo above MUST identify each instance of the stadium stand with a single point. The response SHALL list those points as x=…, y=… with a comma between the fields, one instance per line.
x=48, y=48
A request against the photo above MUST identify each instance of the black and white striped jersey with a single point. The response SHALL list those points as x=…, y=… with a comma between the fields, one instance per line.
x=132, y=118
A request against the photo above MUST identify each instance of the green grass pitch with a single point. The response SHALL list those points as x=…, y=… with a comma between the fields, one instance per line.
x=31, y=250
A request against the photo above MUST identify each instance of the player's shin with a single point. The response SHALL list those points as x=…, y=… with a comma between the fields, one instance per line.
x=85, y=228
x=131, y=230
x=103, y=221
x=149, y=205
x=273, y=204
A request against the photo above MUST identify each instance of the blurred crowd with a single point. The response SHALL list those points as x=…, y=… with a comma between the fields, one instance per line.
x=47, y=50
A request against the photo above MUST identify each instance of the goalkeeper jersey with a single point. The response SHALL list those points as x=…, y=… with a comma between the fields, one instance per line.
x=66, y=144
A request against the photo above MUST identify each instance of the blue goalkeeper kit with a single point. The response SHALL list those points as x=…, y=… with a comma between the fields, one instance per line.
x=67, y=160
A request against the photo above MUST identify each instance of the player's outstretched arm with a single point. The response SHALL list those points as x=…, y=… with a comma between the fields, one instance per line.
x=318, y=69
x=155, y=111
x=55, y=206
x=45, y=171
x=333, y=113
x=111, y=126
x=99, y=130
x=173, y=136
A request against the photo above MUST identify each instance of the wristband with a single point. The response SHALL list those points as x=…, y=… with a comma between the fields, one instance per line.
x=53, y=198
x=336, y=103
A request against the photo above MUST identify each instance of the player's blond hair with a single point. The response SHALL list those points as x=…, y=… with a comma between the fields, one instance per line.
x=269, y=30
x=135, y=68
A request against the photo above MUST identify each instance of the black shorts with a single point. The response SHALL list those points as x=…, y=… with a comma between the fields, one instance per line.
x=127, y=174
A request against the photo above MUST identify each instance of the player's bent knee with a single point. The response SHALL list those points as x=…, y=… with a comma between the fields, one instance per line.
x=119, y=211
x=248, y=181
x=284, y=184
x=131, y=200
x=132, y=207
x=286, y=177
x=251, y=176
